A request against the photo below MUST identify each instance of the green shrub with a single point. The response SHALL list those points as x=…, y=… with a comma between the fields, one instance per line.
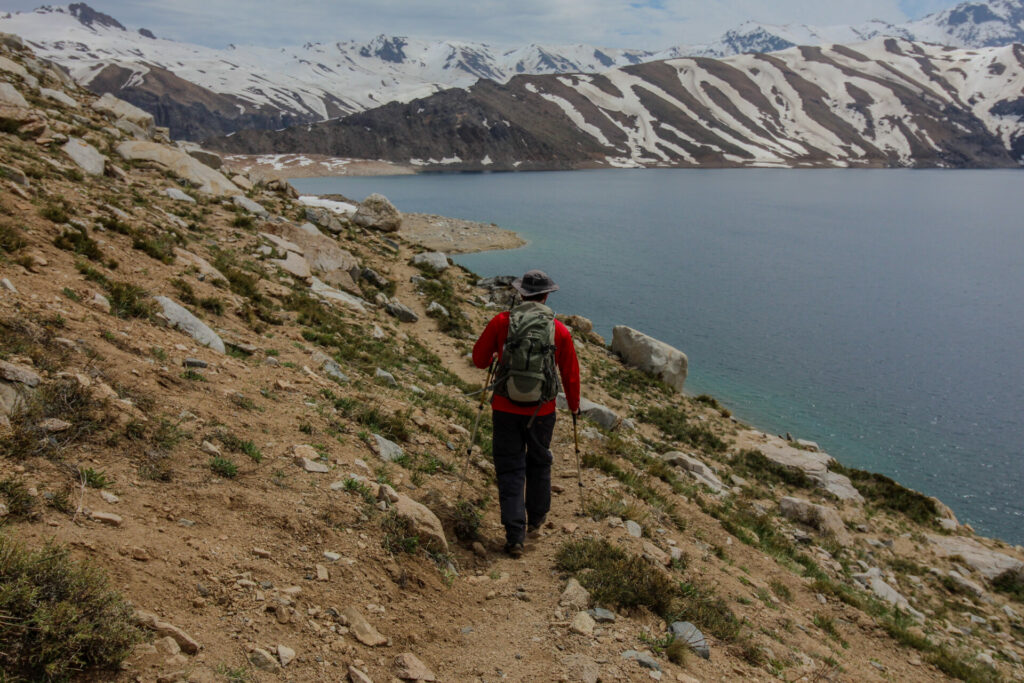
x=11, y=238
x=94, y=479
x=399, y=534
x=55, y=212
x=467, y=521
x=160, y=247
x=20, y=503
x=76, y=240
x=129, y=301
x=620, y=579
x=58, y=618
x=63, y=399
x=883, y=492
x=757, y=466
x=1011, y=582
x=223, y=467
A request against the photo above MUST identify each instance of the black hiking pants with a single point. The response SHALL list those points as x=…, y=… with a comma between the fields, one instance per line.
x=522, y=465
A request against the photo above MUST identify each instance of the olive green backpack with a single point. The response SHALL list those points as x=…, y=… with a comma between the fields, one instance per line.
x=528, y=375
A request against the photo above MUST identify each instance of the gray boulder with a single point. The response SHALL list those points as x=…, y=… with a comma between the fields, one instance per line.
x=377, y=213
x=119, y=109
x=178, y=316
x=987, y=562
x=325, y=291
x=249, y=205
x=329, y=366
x=332, y=264
x=643, y=659
x=209, y=158
x=85, y=156
x=434, y=260
x=178, y=196
x=826, y=520
x=178, y=162
x=10, y=97
x=692, y=636
x=813, y=464
x=647, y=354
x=402, y=312
x=698, y=470
x=595, y=412
x=59, y=96
x=387, y=450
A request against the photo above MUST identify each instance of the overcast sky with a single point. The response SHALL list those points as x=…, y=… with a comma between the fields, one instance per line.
x=645, y=24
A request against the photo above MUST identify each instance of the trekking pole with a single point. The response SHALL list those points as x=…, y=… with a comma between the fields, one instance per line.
x=579, y=473
x=476, y=423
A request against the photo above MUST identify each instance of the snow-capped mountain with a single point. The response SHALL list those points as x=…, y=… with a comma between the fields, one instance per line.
x=200, y=91
x=886, y=102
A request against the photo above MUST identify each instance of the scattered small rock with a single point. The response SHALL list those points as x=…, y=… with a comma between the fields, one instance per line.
x=410, y=668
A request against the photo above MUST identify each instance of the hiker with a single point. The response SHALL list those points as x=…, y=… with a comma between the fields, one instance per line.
x=529, y=344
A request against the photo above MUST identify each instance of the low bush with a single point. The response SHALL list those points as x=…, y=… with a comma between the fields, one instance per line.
x=58, y=618
x=617, y=578
x=1011, y=582
x=223, y=467
x=399, y=534
x=63, y=399
x=129, y=301
x=883, y=492
x=467, y=521
x=11, y=238
x=77, y=241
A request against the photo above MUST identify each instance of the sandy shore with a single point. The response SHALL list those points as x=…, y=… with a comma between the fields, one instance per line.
x=456, y=236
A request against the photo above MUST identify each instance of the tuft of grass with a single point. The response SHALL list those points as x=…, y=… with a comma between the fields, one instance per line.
x=193, y=375
x=20, y=503
x=467, y=521
x=77, y=241
x=399, y=534
x=64, y=399
x=677, y=651
x=441, y=290
x=223, y=467
x=713, y=403
x=675, y=425
x=55, y=212
x=620, y=579
x=781, y=590
x=159, y=247
x=11, y=238
x=58, y=618
x=129, y=301
x=238, y=445
x=95, y=479
x=361, y=489
x=1011, y=582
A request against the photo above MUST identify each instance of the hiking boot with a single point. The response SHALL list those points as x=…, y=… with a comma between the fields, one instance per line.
x=514, y=550
x=533, y=528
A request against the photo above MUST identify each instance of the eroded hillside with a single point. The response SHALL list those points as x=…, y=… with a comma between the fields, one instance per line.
x=251, y=415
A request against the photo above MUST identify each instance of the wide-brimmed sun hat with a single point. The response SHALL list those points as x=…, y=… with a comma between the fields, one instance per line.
x=534, y=282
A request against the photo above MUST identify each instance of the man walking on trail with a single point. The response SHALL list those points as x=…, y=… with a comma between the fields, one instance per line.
x=529, y=344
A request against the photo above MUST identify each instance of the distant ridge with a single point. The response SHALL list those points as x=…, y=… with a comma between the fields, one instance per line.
x=203, y=92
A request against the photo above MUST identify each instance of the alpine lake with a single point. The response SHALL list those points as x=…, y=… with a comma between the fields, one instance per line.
x=879, y=313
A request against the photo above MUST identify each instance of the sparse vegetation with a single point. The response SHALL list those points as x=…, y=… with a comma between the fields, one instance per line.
x=399, y=534
x=756, y=465
x=674, y=423
x=883, y=492
x=467, y=521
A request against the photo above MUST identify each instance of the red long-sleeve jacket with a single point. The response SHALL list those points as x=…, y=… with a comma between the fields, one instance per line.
x=492, y=341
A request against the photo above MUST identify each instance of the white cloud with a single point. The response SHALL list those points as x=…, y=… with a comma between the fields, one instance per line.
x=649, y=24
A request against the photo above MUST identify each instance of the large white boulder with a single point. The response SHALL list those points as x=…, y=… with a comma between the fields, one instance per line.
x=813, y=463
x=119, y=109
x=85, y=156
x=10, y=97
x=180, y=317
x=180, y=164
x=647, y=354
x=987, y=562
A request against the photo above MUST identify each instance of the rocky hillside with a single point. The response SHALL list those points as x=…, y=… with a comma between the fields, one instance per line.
x=901, y=104
x=234, y=432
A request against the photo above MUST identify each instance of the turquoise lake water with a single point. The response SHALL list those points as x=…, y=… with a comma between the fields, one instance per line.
x=879, y=313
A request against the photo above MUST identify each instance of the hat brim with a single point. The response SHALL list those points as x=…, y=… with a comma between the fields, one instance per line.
x=517, y=285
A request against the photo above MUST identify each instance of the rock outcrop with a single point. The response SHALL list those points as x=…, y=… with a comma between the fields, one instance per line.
x=180, y=317
x=824, y=519
x=377, y=213
x=647, y=354
x=178, y=162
